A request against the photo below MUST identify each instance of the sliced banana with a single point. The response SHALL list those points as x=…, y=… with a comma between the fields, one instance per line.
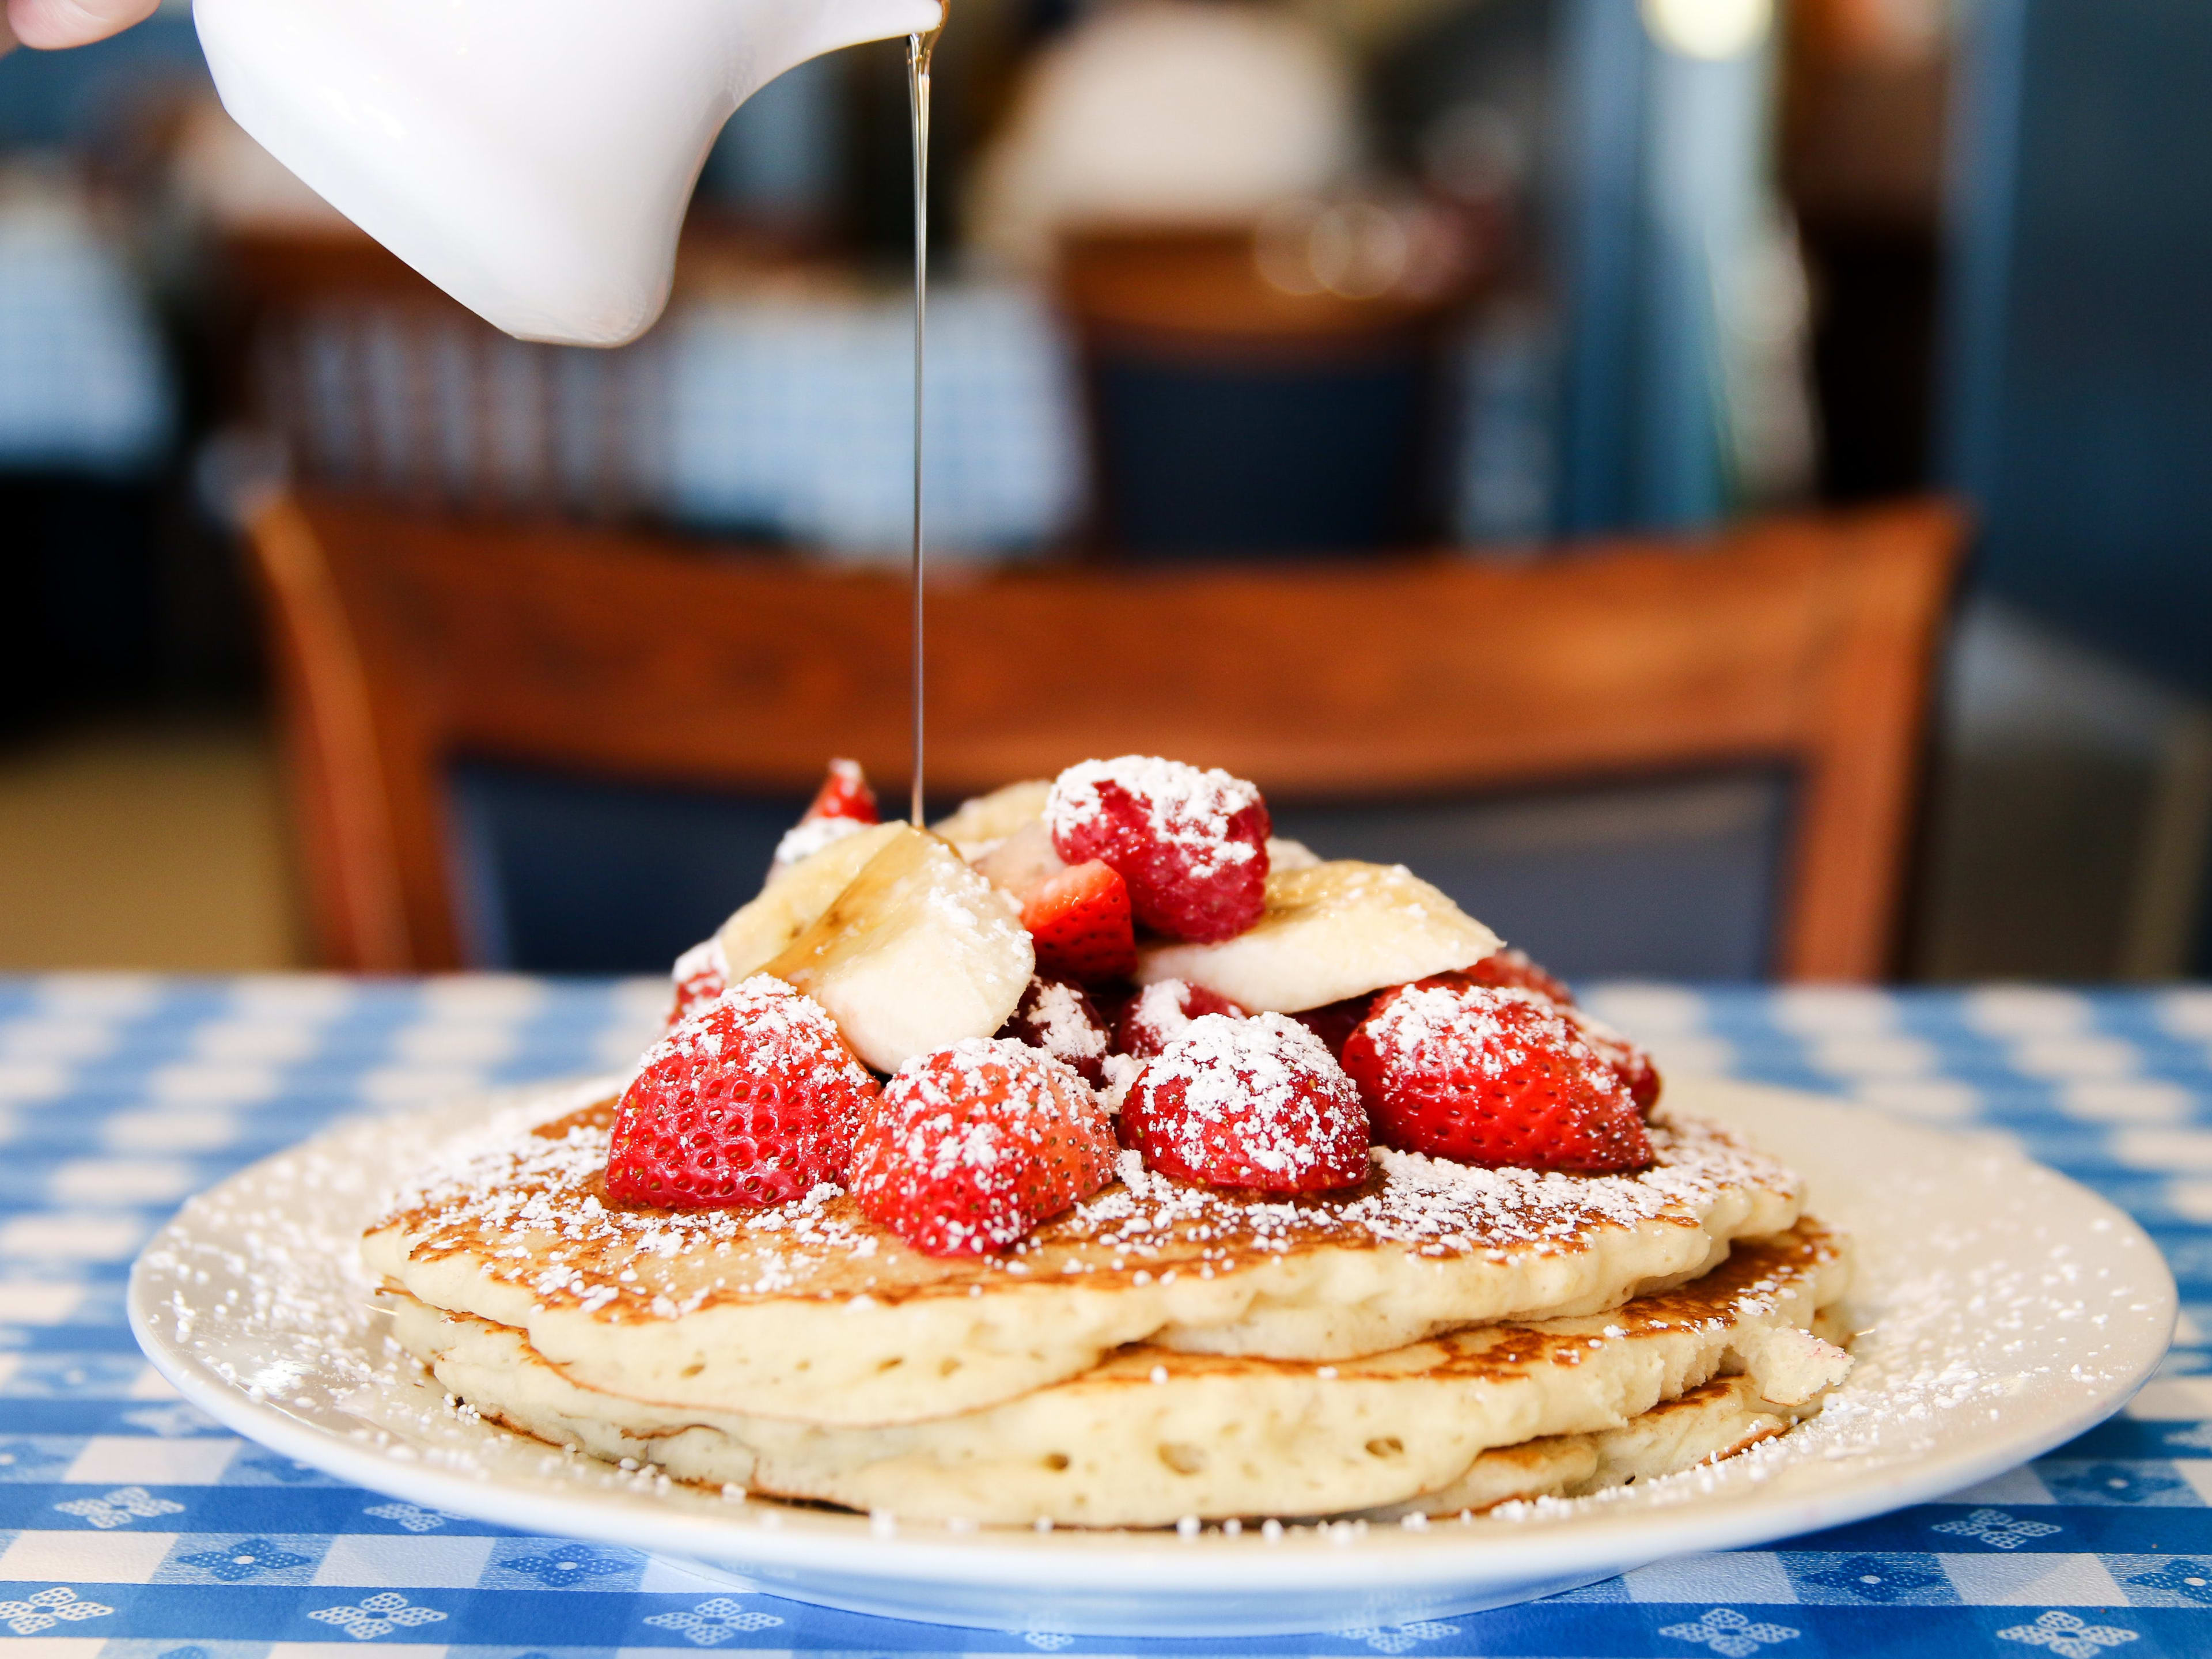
x=1332, y=930
x=794, y=896
x=1022, y=863
x=1283, y=854
x=981, y=823
x=917, y=952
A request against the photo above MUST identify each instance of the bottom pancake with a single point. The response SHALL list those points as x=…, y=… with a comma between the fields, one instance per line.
x=1152, y=1435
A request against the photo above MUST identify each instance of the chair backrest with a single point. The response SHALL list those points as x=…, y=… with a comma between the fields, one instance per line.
x=1232, y=413
x=405, y=642
x=375, y=381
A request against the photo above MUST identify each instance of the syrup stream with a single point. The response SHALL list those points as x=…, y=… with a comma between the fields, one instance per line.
x=918, y=50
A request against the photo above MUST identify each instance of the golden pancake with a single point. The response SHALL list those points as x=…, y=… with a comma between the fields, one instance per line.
x=813, y=1312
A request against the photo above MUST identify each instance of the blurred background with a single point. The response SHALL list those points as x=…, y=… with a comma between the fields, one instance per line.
x=1568, y=319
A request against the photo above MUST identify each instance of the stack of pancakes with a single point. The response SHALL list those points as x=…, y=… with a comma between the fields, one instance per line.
x=1443, y=1338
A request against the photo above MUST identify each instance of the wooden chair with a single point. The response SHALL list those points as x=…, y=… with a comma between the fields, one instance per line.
x=404, y=642
x=1227, y=412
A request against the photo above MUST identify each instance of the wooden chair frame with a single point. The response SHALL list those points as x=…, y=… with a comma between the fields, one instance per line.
x=403, y=641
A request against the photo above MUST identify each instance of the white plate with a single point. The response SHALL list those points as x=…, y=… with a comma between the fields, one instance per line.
x=2005, y=1310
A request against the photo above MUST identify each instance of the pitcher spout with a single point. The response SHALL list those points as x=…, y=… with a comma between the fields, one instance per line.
x=532, y=158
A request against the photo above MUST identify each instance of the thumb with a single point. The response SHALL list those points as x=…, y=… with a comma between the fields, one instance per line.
x=52, y=23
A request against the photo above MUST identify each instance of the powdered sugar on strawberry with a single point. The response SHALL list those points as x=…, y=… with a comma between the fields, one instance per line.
x=1494, y=1077
x=701, y=974
x=1060, y=1019
x=1162, y=1012
x=971, y=1146
x=1191, y=844
x=1251, y=1102
x=752, y=1100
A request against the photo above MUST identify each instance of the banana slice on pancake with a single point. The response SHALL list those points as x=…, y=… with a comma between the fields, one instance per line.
x=917, y=951
x=1330, y=931
x=789, y=905
x=981, y=823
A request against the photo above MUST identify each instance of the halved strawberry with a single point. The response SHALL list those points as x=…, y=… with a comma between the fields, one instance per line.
x=1192, y=844
x=1252, y=1104
x=1332, y=1022
x=1080, y=923
x=1160, y=1013
x=1631, y=1062
x=845, y=795
x=843, y=806
x=752, y=1100
x=1491, y=1077
x=1058, y=1015
x=1510, y=969
x=971, y=1147
x=701, y=974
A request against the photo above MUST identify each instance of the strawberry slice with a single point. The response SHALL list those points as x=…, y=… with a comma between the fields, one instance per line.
x=1248, y=1104
x=845, y=795
x=753, y=1100
x=1058, y=1015
x=1160, y=1013
x=843, y=806
x=1192, y=844
x=1080, y=923
x=1510, y=969
x=1332, y=1022
x=1493, y=1077
x=701, y=974
x=970, y=1148
x=1631, y=1062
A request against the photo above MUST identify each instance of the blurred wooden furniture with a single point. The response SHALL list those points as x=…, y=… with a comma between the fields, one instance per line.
x=374, y=380
x=1235, y=403
x=405, y=641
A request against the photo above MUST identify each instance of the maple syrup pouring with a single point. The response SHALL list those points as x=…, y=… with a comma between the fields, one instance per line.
x=918, y=47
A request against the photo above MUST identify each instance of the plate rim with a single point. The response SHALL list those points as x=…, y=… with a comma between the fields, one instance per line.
x=1076, y=1560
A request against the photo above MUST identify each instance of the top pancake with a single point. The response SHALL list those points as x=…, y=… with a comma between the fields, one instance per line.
x=810, y=1311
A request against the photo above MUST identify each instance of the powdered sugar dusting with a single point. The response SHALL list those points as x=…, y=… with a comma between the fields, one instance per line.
x=1992, y=1301
x=810, y=836
x=1440, y=1029
x=1266, y=1085
x=530, y=1208
x=1064, y=1026
x=1184, y=807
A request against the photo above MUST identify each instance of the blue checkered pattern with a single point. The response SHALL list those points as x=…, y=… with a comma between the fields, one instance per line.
x=797, y=416
x=84, y=380
x=130, y=1526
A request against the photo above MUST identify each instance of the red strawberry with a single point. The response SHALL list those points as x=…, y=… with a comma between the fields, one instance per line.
x=843, y=804
x=1252, y=1104
x=701, y=974
x=1631, y=1063
x=1491, y=1077
x=971, y=1147
x=1192, y=845
x=1332, y=1022
x=845, y=795
x=1080, y=922
x=1160, y=1013
x=752, y=1100
x=1511, y=970
x=1057, y=1016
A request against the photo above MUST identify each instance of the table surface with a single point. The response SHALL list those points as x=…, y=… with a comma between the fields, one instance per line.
x=130, y=1525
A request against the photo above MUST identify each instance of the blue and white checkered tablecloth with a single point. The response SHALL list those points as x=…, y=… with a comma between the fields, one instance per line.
x=132, y=1527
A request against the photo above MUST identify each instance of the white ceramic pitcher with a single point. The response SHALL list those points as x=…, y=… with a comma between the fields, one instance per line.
x=533, y=158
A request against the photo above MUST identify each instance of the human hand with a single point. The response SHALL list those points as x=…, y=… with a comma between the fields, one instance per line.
x=52, y=23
